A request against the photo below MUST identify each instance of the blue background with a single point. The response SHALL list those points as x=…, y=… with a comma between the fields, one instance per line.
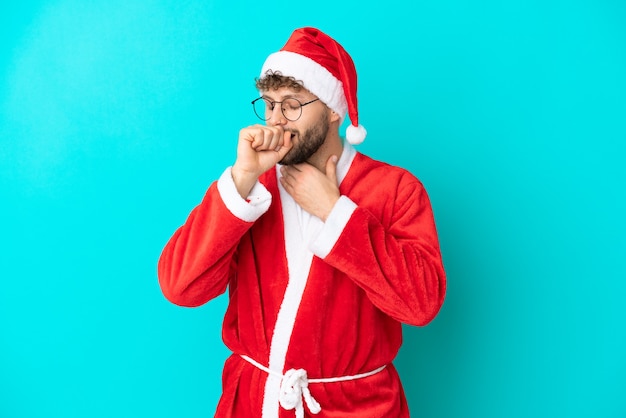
x=115, y=116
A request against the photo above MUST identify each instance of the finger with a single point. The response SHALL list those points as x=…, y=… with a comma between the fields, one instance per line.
x=263, y=138
x=292, y=170
x=299, y=167
x=285, y=182
x=277, y=139
x=249, y=133
x=274, y=138
x=286, y=145
x=258, y=138
x=285, y=172
x=268, y=136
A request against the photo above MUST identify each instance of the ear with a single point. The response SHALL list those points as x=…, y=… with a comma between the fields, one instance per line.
x=333, y=116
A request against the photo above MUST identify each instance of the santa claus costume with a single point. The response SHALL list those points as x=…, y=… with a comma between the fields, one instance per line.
x=316, y=308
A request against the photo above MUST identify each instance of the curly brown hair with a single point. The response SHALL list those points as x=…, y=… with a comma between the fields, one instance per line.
x=273, y=80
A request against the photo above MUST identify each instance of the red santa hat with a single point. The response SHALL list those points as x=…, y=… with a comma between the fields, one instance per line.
x=325, y=69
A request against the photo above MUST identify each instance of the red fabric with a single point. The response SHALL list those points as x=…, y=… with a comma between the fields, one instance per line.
x=321, y=48
x=385, y=269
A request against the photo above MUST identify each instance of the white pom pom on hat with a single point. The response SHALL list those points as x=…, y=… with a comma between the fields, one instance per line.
x=325, y=69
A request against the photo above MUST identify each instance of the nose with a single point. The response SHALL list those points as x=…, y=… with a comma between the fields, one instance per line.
x=277, y=118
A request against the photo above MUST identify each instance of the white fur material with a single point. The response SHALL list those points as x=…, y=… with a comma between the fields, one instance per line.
x=257, y=204
x=300, y=228
x=315, y=78
x=335, y=223
x=355, y=134
x=298, y=262
x=338, y=218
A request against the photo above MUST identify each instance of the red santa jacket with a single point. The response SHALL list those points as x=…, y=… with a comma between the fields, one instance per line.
x=328, y=298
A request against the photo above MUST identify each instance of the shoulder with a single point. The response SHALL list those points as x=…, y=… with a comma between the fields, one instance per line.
x=378, y=175
x=390, y=193
x=383, y=188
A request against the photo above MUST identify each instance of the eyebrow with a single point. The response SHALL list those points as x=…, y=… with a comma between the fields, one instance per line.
x=297, y=96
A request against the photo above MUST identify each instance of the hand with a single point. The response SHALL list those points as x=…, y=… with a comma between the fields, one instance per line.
x=260, y=147
x=313, y=190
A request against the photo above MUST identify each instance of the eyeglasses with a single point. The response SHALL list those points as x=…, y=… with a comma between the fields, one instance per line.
x=291, y=108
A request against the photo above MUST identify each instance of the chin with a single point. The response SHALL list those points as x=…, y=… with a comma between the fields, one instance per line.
x=292, y=160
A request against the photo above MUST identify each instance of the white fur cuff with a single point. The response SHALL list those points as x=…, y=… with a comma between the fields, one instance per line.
x=249, y=210
x=333, y=227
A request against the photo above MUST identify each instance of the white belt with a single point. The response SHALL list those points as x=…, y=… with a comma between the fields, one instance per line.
x=295, y=386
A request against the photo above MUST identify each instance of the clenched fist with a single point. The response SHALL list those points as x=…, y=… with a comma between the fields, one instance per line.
x=260, y=147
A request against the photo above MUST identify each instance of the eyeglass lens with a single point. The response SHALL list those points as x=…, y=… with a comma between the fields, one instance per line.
x=291, y=108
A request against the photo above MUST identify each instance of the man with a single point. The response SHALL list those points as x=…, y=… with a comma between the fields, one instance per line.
x=324, y=251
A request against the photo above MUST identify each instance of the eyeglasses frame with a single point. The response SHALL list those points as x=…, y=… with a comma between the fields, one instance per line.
x=273, y=102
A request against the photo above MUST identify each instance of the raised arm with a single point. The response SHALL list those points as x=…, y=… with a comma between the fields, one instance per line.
x=194, y=266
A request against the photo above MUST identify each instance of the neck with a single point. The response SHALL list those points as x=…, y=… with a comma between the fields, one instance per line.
x=333, y=145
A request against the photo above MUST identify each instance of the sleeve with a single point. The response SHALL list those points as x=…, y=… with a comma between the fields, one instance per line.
x=397, y=263
x=194, y=266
